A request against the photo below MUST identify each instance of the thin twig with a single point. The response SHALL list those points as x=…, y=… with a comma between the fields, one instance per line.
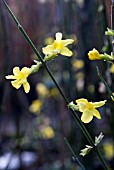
x=105, y=83
x=73, y=154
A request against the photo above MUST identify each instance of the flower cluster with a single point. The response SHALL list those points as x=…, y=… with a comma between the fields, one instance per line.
x=50, y=51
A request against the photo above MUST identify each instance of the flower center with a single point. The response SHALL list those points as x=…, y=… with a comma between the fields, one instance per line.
x=89, y=106
x=22, y=78
x=58, y=45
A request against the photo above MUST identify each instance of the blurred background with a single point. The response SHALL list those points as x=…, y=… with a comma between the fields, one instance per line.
x=33, y=126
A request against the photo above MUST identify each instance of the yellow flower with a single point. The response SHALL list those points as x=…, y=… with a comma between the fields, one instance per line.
x=88, y=109
x=112, y=68
x=48, y=40
x=58, y=46
x=54, y=92
x=42, y=90
x=20, y=78
x=108, y=150
x=77, y=64
x=91, y=88
x=79, y=76
x=95, y=55
x=47, y=132
x=36, y=106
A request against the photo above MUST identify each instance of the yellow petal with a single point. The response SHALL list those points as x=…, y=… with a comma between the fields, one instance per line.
x=10, y=77
x=65, y=51
x=16, y=71
x=112, y=68
x=96, y=114
x=82, y=104
x=25, y=71
x=48, y=49
x=58, y=36
x=16, y=84
x=87, y=116
x=81, y=100
x=67, y=42
x=26, y=86
x=95, y=55
x=98, y=104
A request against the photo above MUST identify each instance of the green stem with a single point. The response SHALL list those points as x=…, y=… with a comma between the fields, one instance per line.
x=73, y=154
x=105, y=83
x=82, y=127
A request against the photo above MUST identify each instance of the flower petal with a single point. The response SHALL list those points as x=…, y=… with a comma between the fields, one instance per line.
x=66, y=42
x=16, y=84
x=96, y=114
x=82, y=104
x=26, y=86
x=95, y=55
x=98, y=104
x=112, y=68
x=58, y=36
x=65, y=51
x=87, y=116
x=48, y=49
x=10, y=77
x=81, y=100
x=16, y=71
x=25, y=71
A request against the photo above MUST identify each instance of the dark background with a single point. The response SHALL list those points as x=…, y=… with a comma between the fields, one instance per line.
x=22, y=143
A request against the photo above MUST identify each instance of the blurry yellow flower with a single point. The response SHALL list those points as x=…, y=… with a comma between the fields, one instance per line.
x=88, y=109
x=58, y=46
x=91, y=88
x=112, y=68
x=36, y=106
x=95, y=55
x=20, y=78
x=54, y=92
x=108, y=150
x=79, y=76
x=49, y=40
x=42, y=90
x=77, y=64
x=47, y=132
